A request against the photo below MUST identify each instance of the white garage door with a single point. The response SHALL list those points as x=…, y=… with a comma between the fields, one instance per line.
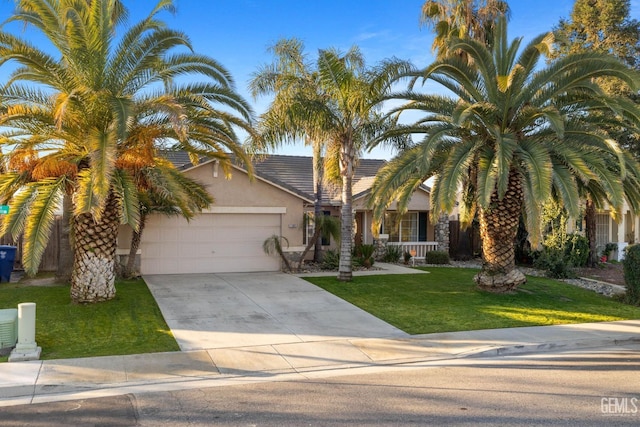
x=209, y=243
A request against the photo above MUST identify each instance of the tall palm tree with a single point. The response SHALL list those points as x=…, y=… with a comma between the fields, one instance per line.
x=515, y=134
x=449, y=19
x=287, y=77
x=82, y=121
x=346, y=116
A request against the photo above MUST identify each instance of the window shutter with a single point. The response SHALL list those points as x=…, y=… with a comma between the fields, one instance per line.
x=423, y=217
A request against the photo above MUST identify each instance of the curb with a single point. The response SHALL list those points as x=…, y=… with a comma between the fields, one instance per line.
x=551, y=346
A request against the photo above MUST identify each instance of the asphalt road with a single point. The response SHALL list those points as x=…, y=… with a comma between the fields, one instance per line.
x=580, y=388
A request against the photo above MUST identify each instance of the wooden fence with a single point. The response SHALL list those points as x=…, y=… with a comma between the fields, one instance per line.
x=463, y=244
x=49, y=258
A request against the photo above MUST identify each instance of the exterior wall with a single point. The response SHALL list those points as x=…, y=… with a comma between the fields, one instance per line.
x=239, y=191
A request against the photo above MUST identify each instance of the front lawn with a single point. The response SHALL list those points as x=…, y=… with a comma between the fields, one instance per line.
x=131, y=323
x=447, y=300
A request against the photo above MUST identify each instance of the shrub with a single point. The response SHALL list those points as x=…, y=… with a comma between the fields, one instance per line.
x=436, y=257
x=331, y=259
x=363, y=255
x=631, y=268
x=407, y=257
x=392, y=253
x=577, y=250
x=554, y=262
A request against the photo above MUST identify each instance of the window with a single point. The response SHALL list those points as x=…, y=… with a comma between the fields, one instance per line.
x=309, y=227
x=410, y=227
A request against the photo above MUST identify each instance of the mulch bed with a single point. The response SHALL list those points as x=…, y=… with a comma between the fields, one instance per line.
x=605, y=272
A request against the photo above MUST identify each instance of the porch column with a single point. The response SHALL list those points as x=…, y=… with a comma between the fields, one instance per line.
x=622, y=229
x=636, y=229
x=442, y=233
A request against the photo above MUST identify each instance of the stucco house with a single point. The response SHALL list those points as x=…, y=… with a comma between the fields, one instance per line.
x=622, y=232
x=228, y=236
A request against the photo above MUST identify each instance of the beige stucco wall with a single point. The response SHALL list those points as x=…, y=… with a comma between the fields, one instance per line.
x=419, y=202
x=240, y=192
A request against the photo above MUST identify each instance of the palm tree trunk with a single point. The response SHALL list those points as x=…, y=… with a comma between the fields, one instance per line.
x=133, y=249
x=590, y=232
x=93, y=276
x=498, y=230
x=318, y=177
x=347, y=159
x=65, y=256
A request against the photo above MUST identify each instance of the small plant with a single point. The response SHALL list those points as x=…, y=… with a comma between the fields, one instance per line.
x=606, y=252
x=273, y=245
x=631, y=268
x=331, y=259
x=364, y=255
x=392, y=253
x=436, y=257
x=407, y=257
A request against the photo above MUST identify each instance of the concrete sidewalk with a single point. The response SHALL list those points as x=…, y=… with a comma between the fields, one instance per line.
x=239, y=328
x=67, y=379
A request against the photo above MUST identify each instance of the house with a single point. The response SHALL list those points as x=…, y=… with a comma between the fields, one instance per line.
x=228, y=236
x=622, y=232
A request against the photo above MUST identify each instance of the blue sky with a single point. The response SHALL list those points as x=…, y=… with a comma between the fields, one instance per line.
x=238, y=32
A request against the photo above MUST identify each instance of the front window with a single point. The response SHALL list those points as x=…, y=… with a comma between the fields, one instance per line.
x=402, y=228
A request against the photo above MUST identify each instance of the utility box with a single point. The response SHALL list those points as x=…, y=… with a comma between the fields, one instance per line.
x=8, y=329
x=7, y=257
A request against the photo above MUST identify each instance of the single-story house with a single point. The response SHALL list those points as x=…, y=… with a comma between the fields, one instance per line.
x=622, y=232
x=228, y=236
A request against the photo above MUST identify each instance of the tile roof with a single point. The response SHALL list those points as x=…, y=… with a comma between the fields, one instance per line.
x=295, y=173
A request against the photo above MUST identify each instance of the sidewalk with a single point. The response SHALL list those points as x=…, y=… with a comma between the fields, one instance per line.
x=67, y=379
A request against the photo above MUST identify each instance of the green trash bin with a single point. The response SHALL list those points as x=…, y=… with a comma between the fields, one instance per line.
x=7, y=257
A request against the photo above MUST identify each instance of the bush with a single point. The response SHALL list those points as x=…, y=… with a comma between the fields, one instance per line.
x=392, y=253
x=436, y=257
x=554, y=262
x=631, y=268
x=577, y=250
x=331, y=259
x=407, y=257
x=363, y=255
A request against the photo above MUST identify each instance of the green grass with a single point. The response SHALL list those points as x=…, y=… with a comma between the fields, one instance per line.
x=447, y=300
x=131, y=323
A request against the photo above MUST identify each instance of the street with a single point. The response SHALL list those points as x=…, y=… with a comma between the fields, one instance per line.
x=579, y=388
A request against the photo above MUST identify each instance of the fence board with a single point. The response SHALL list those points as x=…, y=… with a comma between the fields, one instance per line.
x=49, y=257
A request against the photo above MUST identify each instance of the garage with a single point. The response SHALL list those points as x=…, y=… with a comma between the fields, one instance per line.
x=209, y=243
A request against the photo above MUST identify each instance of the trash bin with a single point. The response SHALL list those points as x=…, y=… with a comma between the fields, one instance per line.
x=7, y=256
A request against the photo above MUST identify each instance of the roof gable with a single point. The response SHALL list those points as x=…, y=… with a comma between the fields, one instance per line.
x=295, y=174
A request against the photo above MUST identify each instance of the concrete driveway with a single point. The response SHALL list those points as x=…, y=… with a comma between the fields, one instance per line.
x=209, y=311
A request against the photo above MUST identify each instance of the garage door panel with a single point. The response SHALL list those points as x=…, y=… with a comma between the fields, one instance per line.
x=209, y=243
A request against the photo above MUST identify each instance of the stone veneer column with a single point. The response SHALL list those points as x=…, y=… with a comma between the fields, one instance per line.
x=442, y=233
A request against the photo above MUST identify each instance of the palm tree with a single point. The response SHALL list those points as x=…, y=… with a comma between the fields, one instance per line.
x=516, y=134
x=85, y=121
x=164, y=191
x=287, y=77
x=347, y=117
x=449, y=19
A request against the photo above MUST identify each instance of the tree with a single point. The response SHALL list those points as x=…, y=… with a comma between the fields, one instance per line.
x=603, y=26
x=155, y=197
x=460, y=19
x=516, y=134
x=85, y=120
x=339, y=105
x=289, y=76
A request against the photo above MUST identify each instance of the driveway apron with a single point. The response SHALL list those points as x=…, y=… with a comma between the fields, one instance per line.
x=209, y=311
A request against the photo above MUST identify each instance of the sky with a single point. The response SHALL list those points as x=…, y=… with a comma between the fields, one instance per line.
x=237, y=33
